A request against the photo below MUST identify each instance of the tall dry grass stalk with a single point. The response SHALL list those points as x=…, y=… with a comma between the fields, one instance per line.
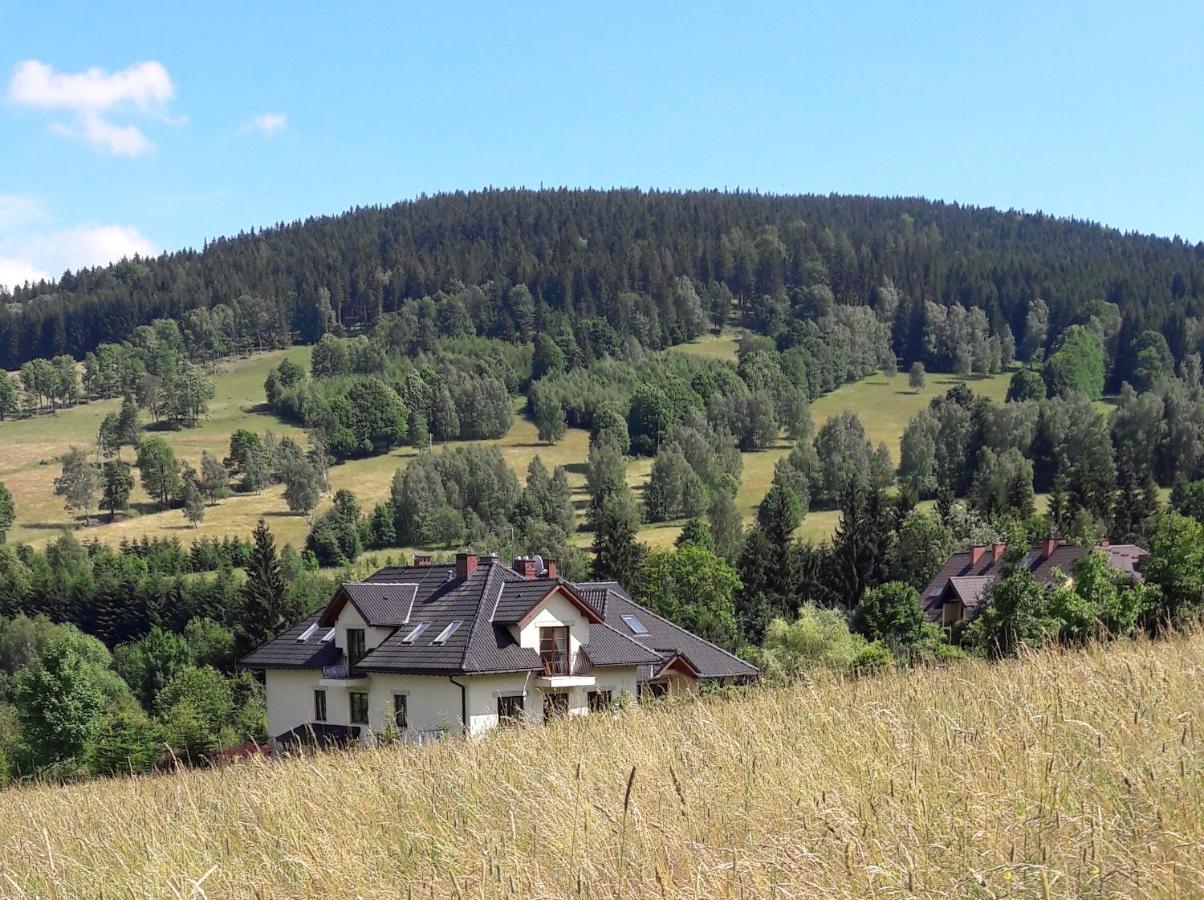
x=1062, y=774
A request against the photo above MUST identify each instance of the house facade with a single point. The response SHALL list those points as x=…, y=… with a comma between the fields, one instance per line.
x=960, y=587
x=420, y=652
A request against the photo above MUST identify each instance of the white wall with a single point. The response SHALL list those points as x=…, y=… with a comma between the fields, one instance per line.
x=556, y=610
x=290, y=699
x=350, y=618
x=433, y=702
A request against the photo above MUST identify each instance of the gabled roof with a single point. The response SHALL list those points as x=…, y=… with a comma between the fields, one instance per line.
x=970, y=588
x=609, y=647
x=485, y=604
x=382, y=604
x=665, y=638
x=963, y=578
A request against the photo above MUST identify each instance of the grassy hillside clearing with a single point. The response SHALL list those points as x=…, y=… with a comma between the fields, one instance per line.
x=29, y=464
x=1062, y=774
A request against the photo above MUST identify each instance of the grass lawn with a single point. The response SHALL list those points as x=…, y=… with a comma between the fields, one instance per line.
x=720, y=346
x=884, y=407
x=32, y=447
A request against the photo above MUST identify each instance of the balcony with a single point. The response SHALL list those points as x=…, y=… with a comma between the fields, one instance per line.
x=341, y=674
x=564, y=669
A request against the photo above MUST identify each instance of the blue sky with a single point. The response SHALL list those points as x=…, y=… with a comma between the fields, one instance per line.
x=136, y=128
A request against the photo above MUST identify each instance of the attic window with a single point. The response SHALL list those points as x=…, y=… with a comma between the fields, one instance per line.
x=307, y=633
x=328, y=636
x=447, y=632
x=416, y=632
x=636, y=626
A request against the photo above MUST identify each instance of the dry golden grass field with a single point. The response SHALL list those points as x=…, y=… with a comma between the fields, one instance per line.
x=1063, y=774
x=29, y=463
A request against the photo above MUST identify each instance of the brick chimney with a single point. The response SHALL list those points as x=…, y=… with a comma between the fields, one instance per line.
x=466, y=563
x=976, y=553
x=551, y=571
x=997, y=551
x=1048, y=545
x=524, y=566
x=1104, y=543
x=422, y=559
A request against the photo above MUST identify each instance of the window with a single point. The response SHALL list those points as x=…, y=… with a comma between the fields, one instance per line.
x=307, y=633
x=416, y=632
x=510, y=709
x=555, y=706
x=650, y=690
x=554, y=649
x=319, y=706
x=328, y=637
x=355, y=646
x=447, y=632
x=636, y=626
x=599, y=701
x=401, y=716
x=359, y=707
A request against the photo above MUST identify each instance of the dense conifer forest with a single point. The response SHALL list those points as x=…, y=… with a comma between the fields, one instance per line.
x=585, y=253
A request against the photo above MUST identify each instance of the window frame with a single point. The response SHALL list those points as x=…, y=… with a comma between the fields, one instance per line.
x=597, y=706
x=362, y=641
x=320, y=705
x=518, y=709
x=352, y=697
x=404, y=724
x=555, y=709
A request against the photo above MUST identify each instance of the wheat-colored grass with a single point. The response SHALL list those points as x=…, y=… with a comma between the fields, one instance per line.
x=1064, y=774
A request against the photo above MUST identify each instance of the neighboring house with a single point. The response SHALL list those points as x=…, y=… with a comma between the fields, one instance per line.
x=420, y=651
x=960, y=587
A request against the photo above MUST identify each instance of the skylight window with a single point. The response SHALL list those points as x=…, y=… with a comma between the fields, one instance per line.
x=307, y=633
x=636, y=626
x=447, y=632
x=328, y=637
x=416, y=632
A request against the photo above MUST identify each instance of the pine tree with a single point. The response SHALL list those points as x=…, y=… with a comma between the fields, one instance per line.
x=617, y=553
x=266, y=609
x=8, y=512
x=117, y=481
x=129, y=428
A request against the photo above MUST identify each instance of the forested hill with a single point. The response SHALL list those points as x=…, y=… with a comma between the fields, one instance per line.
x=585, y=252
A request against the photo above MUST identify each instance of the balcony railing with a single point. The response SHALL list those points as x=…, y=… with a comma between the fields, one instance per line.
x=560, y=662
x=341, y=670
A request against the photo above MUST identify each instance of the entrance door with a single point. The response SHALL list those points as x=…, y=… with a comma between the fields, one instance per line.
x=555, y=705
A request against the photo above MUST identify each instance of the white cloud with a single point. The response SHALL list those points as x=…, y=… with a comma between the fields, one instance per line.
x=17, y=210
x=93, y=97
x=33, y=257
x=14, y=272
x=266, y=124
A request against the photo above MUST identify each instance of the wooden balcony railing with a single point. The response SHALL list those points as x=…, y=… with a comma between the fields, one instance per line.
x=560, y=662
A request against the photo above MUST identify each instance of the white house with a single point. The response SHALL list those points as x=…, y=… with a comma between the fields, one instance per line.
x=417, y=652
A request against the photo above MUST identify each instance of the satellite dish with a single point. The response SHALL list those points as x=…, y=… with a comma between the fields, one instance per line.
x=539, y=566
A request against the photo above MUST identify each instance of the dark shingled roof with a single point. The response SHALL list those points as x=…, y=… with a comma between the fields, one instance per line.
x=970, y=580
x=382, y=603
x=492, y=597
x=286, y=652
x=609, y=647
x=663, y=636
x=516, y=598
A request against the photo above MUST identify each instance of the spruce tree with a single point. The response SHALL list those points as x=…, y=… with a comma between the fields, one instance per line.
x=617, y=553
x=265, y=606
x=8, y=512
